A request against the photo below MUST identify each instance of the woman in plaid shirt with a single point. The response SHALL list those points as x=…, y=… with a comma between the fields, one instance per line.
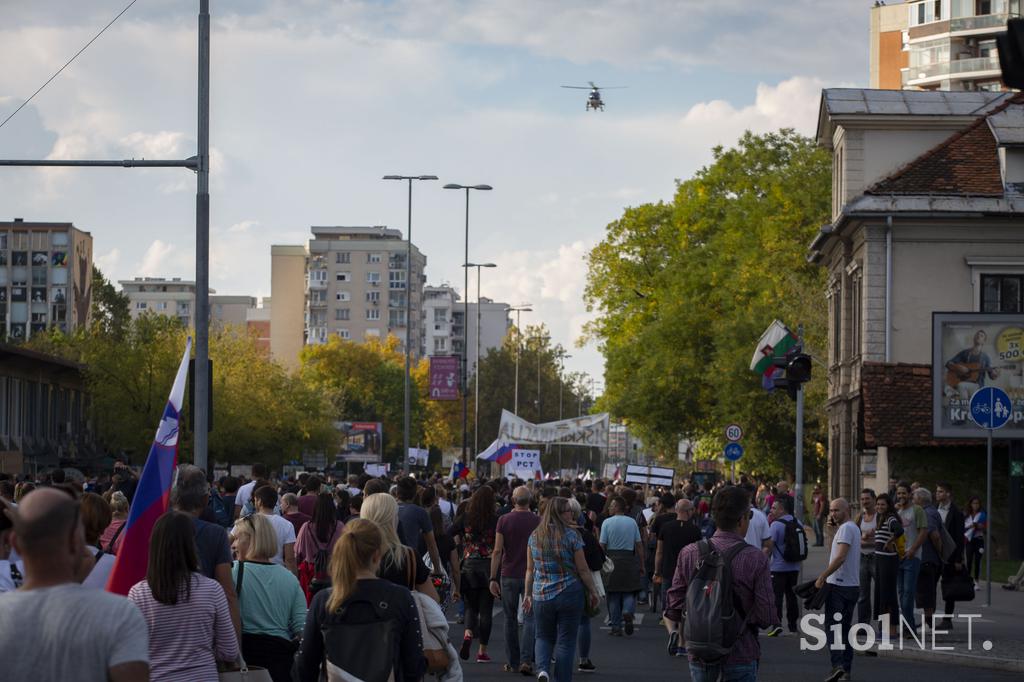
x=556, y=574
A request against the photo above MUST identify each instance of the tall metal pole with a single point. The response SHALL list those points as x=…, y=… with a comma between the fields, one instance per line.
x=519, y=351
x=408, y=331
x=799, y=487
x=465, y=342
x=476, y=370
x=202, y=383
x=988, y=526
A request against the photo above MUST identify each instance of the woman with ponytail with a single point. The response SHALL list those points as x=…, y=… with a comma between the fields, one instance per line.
x=362, y=626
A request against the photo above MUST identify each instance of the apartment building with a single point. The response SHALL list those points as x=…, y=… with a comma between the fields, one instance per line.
x=938, y=44
x=348, y=281
x=257, y=323
x=176, y=297
x=45, y=278
x=443, y=328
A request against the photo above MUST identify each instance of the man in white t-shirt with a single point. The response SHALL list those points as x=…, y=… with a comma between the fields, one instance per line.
x=53, y=628
x=843, y=577
x=759, y=533
x=265, y=499
x=244, y=494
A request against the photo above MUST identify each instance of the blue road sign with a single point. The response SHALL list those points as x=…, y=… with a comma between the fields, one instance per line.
x=990, y=407
x=733, y=452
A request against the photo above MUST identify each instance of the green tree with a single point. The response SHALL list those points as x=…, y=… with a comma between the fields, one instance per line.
x=110, y=313
x=684, y=290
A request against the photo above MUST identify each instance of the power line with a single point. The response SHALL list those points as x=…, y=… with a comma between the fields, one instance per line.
x=68, y=63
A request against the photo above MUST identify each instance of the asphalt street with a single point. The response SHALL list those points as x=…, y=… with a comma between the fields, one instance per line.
x=643, y=657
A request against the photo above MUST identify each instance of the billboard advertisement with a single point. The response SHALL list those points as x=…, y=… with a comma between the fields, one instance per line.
x=971, y=351
x=444, y=377
x=360, y=441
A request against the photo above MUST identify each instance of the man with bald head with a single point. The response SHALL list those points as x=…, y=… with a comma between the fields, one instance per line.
x=53, y=628
x=508, y=578
x=843, y=575
x=672, y=537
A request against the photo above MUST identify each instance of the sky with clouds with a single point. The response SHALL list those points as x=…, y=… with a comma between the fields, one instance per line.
x=314, y=100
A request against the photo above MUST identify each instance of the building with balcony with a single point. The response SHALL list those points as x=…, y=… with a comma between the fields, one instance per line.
x=938, y=44
x=444, y=331
x=347, y=281
x=45, y=278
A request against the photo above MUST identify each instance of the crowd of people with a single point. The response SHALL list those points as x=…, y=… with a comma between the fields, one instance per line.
x=355, y=577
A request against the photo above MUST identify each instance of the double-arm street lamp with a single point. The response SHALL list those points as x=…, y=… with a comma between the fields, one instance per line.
x=476, y=364
x=465, y=320
x=521, y=308
x=408, y=314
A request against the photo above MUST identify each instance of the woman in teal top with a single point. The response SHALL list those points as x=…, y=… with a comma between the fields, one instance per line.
x=270, y=599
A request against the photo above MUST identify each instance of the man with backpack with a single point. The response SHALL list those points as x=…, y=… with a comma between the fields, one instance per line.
x=723, y=585
x=789, y=549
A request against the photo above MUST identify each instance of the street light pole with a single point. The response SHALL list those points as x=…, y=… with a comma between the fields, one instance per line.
x=465, y=321
x=521, y=308
x=476, y=363
x=562, y=355
x=408, y=317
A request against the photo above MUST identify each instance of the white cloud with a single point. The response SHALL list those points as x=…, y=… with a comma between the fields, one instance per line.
x=156, y=260
x=108, y=262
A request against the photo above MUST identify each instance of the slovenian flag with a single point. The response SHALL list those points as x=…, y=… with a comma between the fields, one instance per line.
x=460, y=470
x=153, y=492
x=776, y=341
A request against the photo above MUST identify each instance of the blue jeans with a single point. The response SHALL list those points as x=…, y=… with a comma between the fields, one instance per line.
x=618, y=604
x=583, y=638
x=716, y=672
x=841, y=600
x=906, y=585
x=558, y=621
x=511, y=591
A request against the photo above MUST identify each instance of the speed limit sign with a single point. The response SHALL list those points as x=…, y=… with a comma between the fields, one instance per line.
x=733, y=433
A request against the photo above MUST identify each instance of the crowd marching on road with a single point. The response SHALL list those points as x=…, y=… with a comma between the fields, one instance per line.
x=355, y=578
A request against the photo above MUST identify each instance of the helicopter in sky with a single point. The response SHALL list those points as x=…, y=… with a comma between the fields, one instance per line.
x=594, y=100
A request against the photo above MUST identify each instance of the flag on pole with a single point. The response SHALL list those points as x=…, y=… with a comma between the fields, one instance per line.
x=776, y=341
x=153, y=492
x=460, y=470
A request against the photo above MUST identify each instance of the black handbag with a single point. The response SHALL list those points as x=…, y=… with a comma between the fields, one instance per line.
x=957, y=587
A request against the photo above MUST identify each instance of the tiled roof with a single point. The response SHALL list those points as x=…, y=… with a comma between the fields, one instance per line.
x=967, y=164
x=896, y=407
x=853, y=101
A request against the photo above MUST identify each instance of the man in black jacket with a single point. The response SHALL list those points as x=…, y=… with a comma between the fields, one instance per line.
x=953, y=520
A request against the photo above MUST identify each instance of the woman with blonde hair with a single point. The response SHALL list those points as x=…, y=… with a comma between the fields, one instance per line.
x=399, y=564
x=362, y=627
x=110, y=541
x=271, y=603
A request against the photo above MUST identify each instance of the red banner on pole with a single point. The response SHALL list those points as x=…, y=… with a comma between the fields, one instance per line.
x=444, y=377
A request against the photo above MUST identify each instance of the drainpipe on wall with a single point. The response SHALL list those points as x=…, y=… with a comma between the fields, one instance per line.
x=888, y=288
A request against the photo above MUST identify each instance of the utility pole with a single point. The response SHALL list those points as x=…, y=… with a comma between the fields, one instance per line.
x=521, y=308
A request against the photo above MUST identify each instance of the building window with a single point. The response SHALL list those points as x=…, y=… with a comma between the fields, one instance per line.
x=373, y=277
x=440, y=314
x=343, y=257
x=1001, y=293
x=162, y=305
x=440, y=344
x=341, y=314
x=396, y=299
x=373, y=258
x=373, y=297
x=314, y=276
x=396, y=279
x=925, y=12
x=343, y=276
x=836, y=319
x=140, y=305
x=373, y=313
x=396, y=318
x=856, y=292
x=344, y=333
x=343, y=296
x=317, y=296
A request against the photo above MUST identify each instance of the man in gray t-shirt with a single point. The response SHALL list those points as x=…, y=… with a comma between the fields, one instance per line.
x=54, y=628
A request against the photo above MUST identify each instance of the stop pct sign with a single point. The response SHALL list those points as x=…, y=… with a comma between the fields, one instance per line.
x=733, y=433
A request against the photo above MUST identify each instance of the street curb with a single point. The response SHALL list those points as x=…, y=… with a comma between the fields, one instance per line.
x=988, y=662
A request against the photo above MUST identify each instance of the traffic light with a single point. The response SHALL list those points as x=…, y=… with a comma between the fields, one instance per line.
x=1011, y=53
x=796, y=366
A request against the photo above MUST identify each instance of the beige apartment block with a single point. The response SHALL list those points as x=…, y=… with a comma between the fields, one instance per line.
x=45, y=278
x=288, y=291
x=938, y=44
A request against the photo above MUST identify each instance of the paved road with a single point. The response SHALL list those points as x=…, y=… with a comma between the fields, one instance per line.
x=643, y=658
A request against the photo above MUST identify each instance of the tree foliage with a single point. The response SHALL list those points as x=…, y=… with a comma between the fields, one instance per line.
x=684, y=290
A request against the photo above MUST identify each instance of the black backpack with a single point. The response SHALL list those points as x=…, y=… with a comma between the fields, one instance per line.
x=794, y=547
x=365, y=651
x=714, y=617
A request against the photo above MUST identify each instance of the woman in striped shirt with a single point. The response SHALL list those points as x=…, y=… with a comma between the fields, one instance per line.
x=887, y=560
x=187, y=613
